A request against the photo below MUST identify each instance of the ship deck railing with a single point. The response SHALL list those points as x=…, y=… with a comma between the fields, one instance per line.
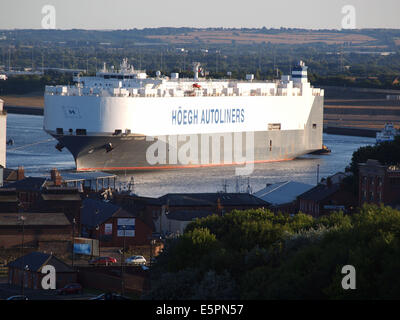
x=166, y=94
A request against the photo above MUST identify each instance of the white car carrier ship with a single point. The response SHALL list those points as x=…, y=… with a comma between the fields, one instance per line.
x=113, y=120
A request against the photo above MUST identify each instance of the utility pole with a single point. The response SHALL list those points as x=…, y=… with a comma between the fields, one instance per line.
x=122, y=264
x=32, y=58
x=22, y=218
x=73, y=240
x=9, y=59
x=317, y=174
x=216, y=62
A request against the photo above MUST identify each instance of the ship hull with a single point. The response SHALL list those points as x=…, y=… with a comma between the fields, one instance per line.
x=139, y=151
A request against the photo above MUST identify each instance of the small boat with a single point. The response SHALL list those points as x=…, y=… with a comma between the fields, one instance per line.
x=387, y=134
x=324, y=150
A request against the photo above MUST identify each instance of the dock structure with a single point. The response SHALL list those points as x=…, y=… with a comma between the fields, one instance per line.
x=96, y=181
x=3, y=128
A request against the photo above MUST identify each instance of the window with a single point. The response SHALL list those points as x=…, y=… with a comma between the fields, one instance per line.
x=81, y=132
x=314, y=126
x=274, y=126
x=270, y=145
x=117, y=132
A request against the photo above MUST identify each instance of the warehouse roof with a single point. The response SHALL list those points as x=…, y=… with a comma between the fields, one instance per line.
x=211, y=199
x=320, y=192
x=282, y=192
x=34, y=219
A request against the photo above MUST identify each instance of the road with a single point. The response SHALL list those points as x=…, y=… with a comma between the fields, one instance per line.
x=7, y=290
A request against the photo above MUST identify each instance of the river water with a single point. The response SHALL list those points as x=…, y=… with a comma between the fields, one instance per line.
x=34, y=149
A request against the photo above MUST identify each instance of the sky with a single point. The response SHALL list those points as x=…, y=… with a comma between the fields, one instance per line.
x=128, y=14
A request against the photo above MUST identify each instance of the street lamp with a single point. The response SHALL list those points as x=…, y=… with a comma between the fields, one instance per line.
x=98, y=238
x=22, y=218
x=73, y=240
x=23, y=279
x=122, y=263
x=152, y=243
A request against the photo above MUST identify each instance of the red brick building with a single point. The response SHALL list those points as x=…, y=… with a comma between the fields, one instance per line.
x=325, y=198
x=61, y=199
x=9, y=201
x=379, y=183
x=28, y=191
x=112, y=225
x=179, y=209
x=35, y=227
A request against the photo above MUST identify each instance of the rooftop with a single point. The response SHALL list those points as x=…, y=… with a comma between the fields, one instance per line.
x=95, y=212
x=282, y=192
x=85, y=176
x=211, y=199
x=60, y=196
x=8, y=195
x=34, y=219
x=28, y=184
x=320, y=192
x=35, y=261
x=188, y=215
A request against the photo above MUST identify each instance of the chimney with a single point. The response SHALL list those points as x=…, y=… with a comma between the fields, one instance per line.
x=20, y=173
x=55, y=177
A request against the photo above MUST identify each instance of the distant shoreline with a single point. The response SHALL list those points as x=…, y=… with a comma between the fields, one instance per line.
x=36, y=111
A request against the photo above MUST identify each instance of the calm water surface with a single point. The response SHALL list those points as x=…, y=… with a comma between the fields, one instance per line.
x=34, y=149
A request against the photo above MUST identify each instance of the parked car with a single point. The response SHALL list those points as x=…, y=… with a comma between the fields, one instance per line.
x=103, y=261
x=110, y=296
x=71, y=288
x=19, y=297
x=136, y=260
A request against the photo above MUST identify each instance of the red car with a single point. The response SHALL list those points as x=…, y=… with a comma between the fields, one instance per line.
x=103, y=261
x=71, y=288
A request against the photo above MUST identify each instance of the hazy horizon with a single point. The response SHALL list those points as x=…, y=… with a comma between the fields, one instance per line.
x=126, y=15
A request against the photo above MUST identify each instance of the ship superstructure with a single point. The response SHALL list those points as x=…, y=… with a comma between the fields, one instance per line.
x=112, y=121
x=388, y=133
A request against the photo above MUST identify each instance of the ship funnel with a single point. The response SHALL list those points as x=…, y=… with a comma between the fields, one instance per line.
x=196, y=67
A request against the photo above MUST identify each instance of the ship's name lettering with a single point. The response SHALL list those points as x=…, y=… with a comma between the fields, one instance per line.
x=182, y=116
